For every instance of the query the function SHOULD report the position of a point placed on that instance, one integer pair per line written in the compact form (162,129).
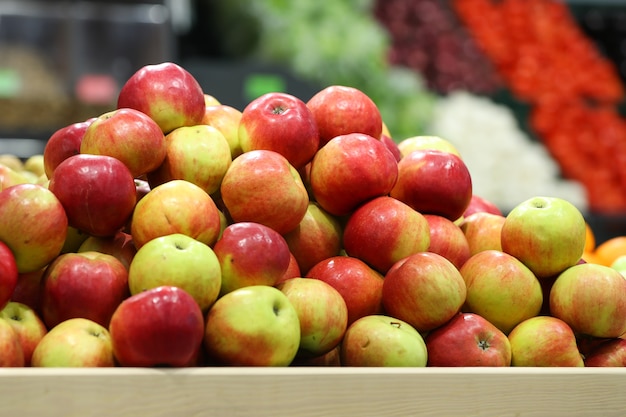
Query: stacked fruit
(177,231)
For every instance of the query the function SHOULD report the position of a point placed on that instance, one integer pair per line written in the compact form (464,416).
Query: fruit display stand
(312,391)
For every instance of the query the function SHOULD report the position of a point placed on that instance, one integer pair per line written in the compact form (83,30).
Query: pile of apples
(178,231)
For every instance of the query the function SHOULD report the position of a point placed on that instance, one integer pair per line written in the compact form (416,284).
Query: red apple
(293,270)
(447,239)
(120,245)
(359,284)
(28,325)
(225,119)
(8,274)
(97,192)
(29,290)
(349,170)
(261,186)
(282,123)
(482,231)
(609,353)
(340,110)
(425,290)
(166,92)
(162,326)
(481,204)
(12,354)
(392,146)
(128,135)
(34,225)
(434,182)
(468,340)
(62,144)
(384,230)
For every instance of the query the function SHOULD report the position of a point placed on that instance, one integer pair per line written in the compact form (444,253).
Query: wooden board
(304,392)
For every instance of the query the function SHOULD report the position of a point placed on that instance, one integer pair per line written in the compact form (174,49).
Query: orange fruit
(608,251)
(590,239)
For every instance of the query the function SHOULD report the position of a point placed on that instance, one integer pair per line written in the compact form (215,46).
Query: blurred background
(531,92)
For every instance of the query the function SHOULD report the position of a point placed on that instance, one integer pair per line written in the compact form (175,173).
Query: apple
(501,289)
(349,170)
(74,238)
(468,339)
(447,239)
(28,325)
(544,341)
(10,177)
(29,290)
(34,164)
(161,326)
(481,204)
(177,206)
(425,290)
(384,230)
(177,260)
(392,146)
(12,161)
(34,225)
(332,358)
(282,123)
(546,233)
(120,245)
(167,93)
(317,237)
(322,313)
(210,100)
(12,354)
(482,231)
(261,186)
(434,182)
(383,341)
(591,299)
(87,284)
(142,187)
(8,274)
(341,110)
(251,253)
(128,135)
(75,343)
(62,144)
(609,353)
(293,270)
(199,154)
(358,283)
(252,326)
(225,119)
(422,142)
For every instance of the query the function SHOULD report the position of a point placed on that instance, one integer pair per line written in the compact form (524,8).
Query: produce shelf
(313,391)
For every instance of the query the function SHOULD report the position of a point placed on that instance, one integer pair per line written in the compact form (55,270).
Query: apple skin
(434,182)
(10,177)
(167,93)
(62,144)
(591,299)
(161,326)
(322,313)
(199,154)
(482,231)
(34,225)
(546,233)
(225,119)
(501,289)
(251,253)
(481,204)
(447,239)
(75,343)
(425,290)
(252,326)
(120,245)
(544,341)
(392,146)
(359,284)
(28,325)
(128,135)
(177,260)
(341,174)
(261,186)
(422,142)
(341,110)
(282,123)
(384,230)
(177,206)
(609,353)
(468,339)
(8,274)
(383,341)
(88,284)
(317,237)
(97,192)
(10,346)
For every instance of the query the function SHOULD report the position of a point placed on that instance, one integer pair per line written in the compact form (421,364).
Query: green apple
(177,260)
(383,341)
(76,342)
(413,143)
(619,264)
(546,233)
(199,154)
(591,298)
(28,325)
(544,341)
(252,326)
